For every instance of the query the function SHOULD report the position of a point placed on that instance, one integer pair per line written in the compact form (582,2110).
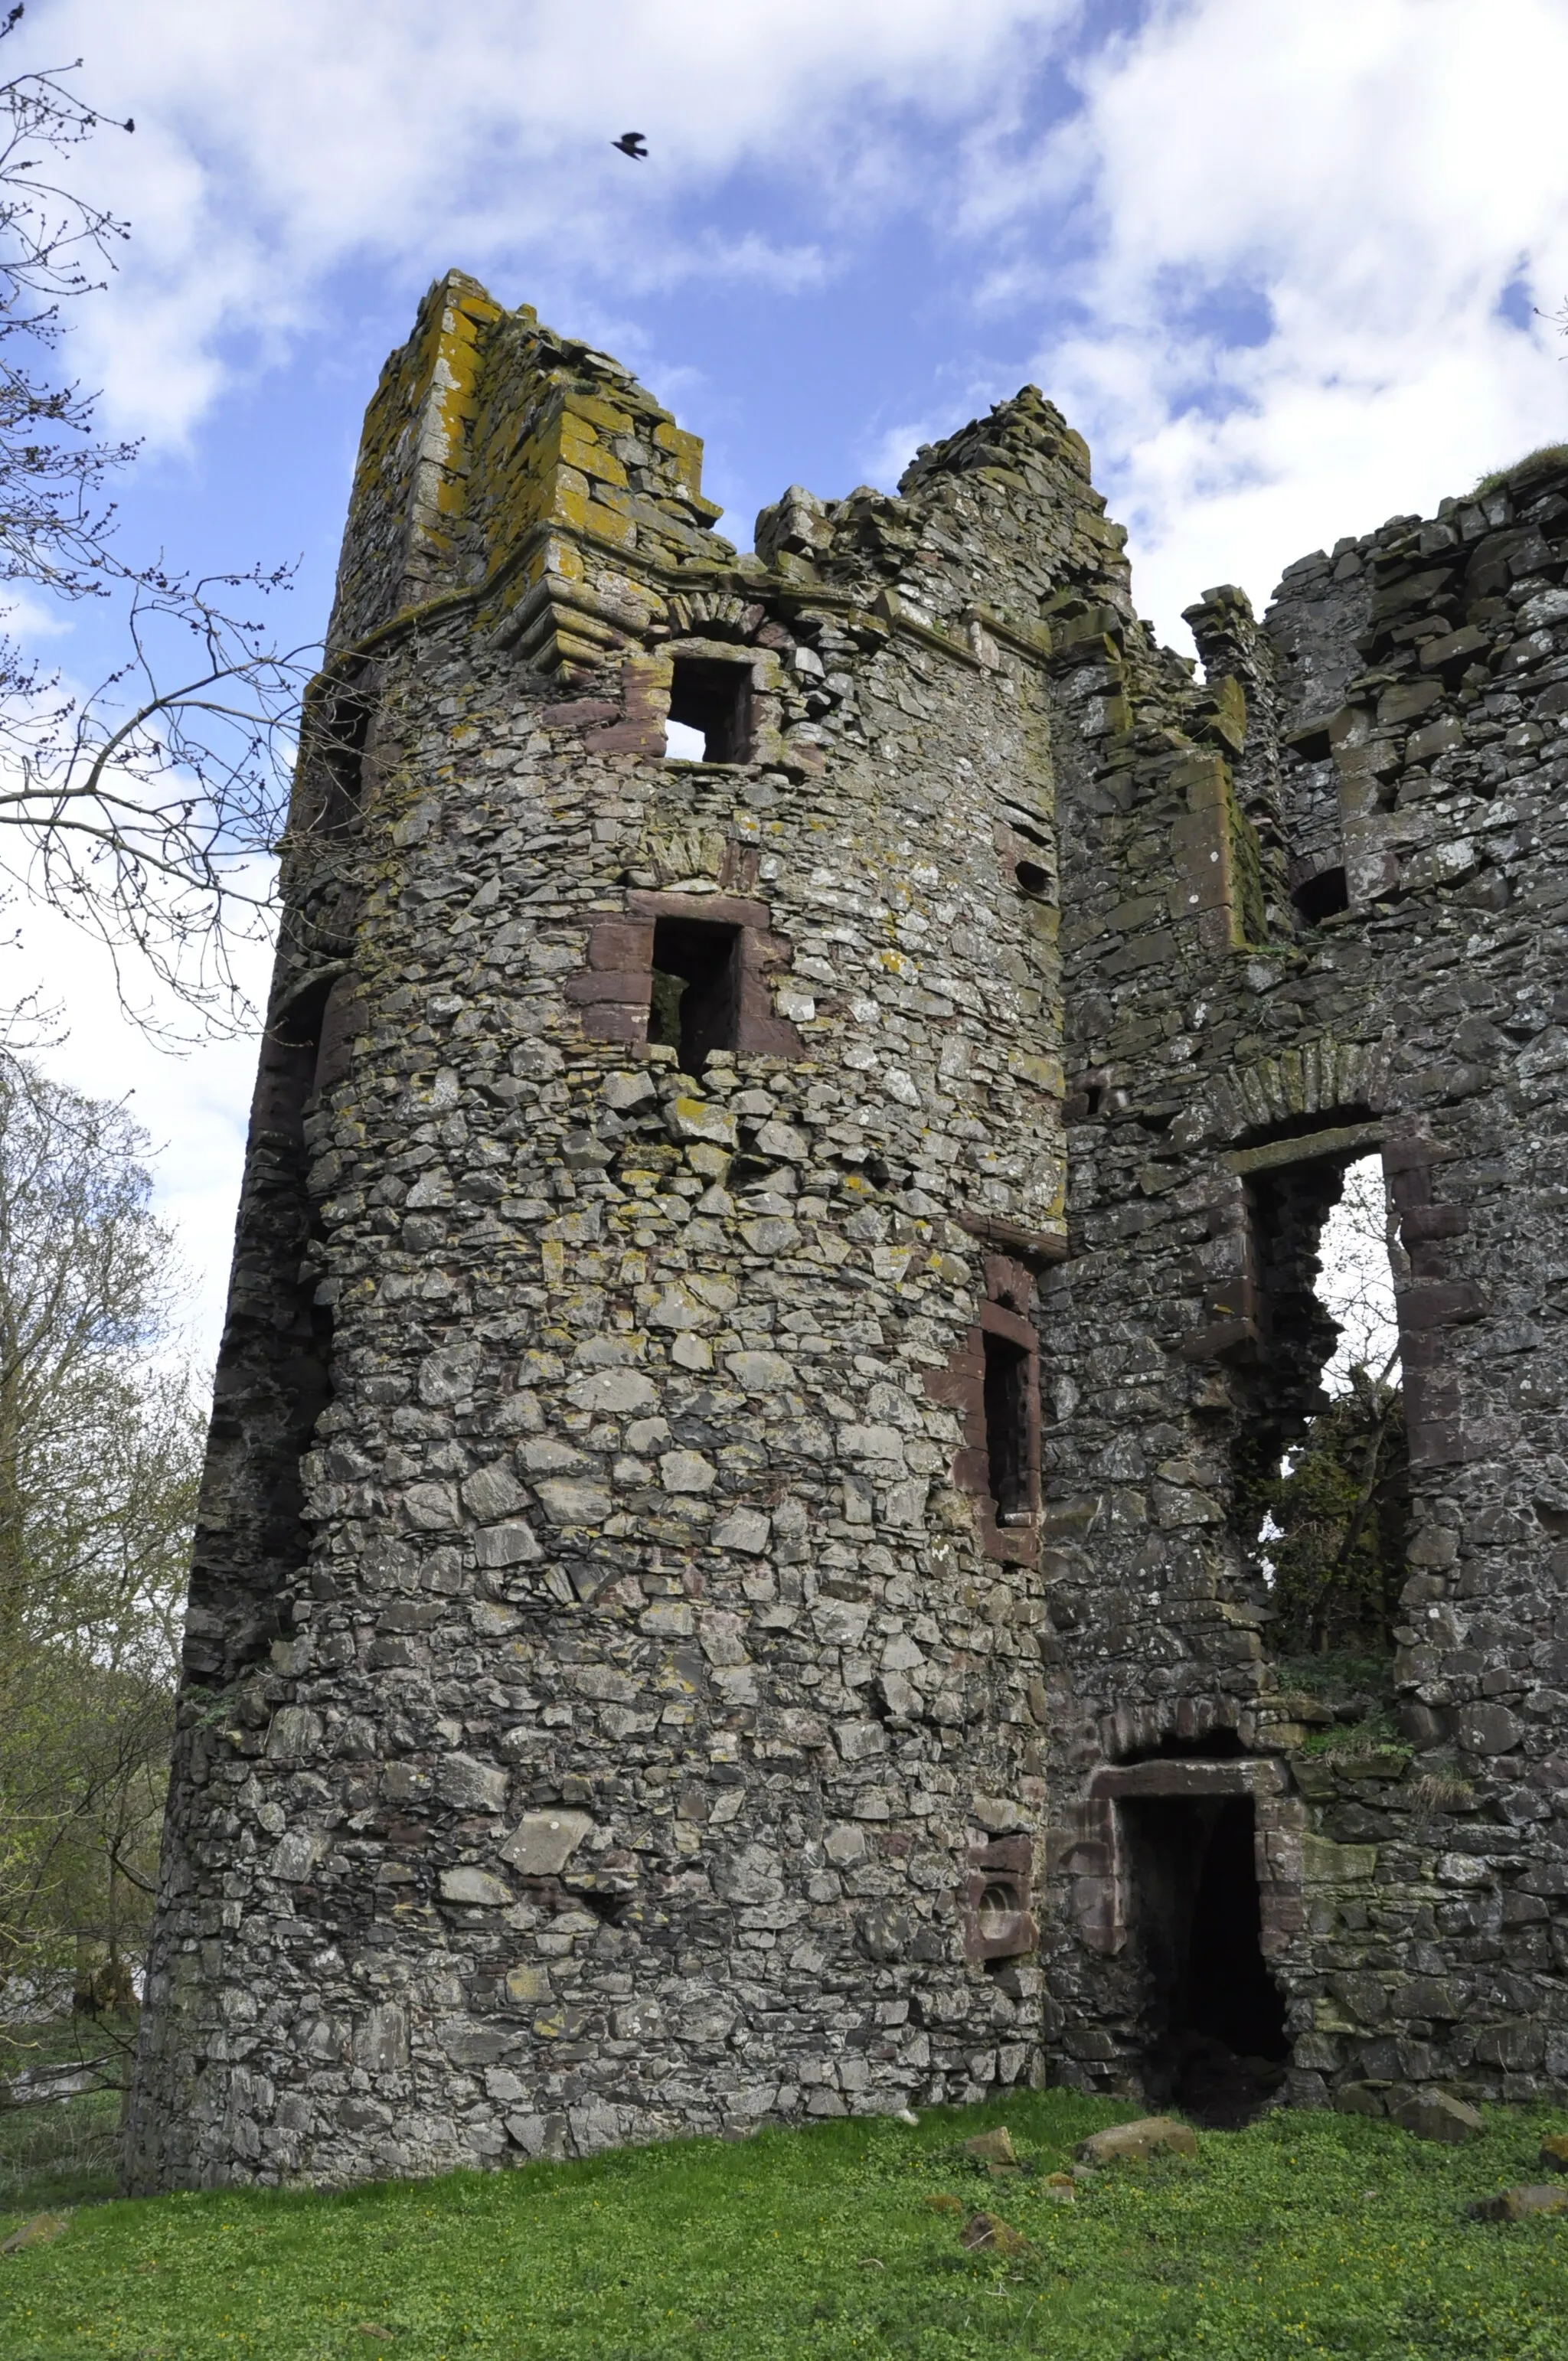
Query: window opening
(709,719)
(1214,2018)
(695,1005)
(683,743)
(1322,1460)
(1032,879)
(339,730)
(1319,897)
(1356,1277)
(1007,1423)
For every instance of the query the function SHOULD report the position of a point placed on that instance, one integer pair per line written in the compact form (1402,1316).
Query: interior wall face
(652,1722)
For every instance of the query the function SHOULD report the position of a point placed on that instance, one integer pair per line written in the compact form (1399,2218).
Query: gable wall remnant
(614,1705)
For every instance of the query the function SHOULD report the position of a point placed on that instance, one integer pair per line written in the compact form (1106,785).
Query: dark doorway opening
(1215,2017)
(714,698)
(695,1003)
(1007,1427)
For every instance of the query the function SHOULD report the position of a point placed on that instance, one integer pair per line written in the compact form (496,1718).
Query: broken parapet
(756,1275)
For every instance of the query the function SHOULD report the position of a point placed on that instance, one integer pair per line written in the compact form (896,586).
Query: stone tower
(645,1670)
(613,1688)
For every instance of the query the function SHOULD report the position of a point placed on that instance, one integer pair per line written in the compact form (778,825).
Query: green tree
(100,1450)
(1337,1527)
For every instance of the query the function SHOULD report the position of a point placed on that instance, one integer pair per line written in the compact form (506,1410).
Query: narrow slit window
(290,1047)
(710,719)
(1008,1413)
(694,1008)
(339,730)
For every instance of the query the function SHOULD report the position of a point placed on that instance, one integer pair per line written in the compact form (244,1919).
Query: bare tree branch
(145,809)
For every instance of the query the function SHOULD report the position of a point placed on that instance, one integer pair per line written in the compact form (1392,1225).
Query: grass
(1306,2234)
(1542,462)
(1360,1685)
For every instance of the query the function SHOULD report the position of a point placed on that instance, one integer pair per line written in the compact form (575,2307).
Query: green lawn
(1305,2234)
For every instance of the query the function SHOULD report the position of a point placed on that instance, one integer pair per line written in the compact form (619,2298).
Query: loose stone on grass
(1514,2204)
(1133,2143)
(987,2233)
(39,2231)
(1434,2115)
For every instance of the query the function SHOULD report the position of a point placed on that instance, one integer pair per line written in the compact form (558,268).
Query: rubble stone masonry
(699,1561)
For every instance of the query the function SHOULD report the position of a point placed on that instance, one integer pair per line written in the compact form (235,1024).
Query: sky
(1284,266)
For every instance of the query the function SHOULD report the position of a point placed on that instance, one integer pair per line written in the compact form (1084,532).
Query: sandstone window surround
(1244,1212)
(614,990)
(994,1383)
(712,695)
(1431,1300)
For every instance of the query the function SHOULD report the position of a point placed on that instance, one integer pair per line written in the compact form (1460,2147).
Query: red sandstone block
(627,738)
(579,709)
(1439,1304)
(1433,1222)
(997,1321)
(715,910)
(616,1022)
(620,943)
(627,985)
(1444,1444)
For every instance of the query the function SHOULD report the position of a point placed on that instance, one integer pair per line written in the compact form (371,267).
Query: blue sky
(1277,262)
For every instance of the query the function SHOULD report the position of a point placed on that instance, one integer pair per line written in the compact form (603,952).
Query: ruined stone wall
(629,1688)
(1411,1902)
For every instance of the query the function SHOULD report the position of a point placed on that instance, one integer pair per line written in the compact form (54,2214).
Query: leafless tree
(144,809)
(1360,1253)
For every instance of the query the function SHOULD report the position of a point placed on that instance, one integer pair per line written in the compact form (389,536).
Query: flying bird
(631,143)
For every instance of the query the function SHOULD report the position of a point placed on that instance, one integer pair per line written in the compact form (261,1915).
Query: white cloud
(1375,172)
(194,1107)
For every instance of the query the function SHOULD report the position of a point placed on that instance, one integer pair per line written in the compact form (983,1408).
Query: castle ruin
(719,1593)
